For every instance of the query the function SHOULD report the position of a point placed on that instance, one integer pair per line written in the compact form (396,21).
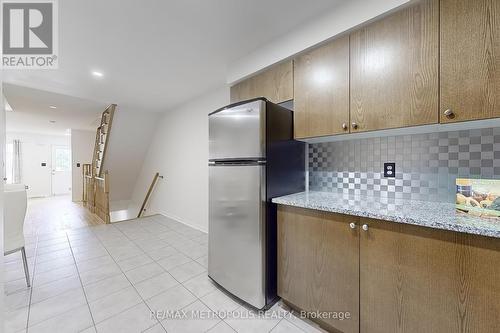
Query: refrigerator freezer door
(238,132)
(236,253)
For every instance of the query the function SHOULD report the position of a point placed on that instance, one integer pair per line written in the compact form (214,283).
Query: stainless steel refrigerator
(252,158)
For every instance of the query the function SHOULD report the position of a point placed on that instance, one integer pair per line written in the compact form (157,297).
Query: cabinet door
(394,70)
(318,258)
(416,279)
(321,90)
(275,84)
(470,59)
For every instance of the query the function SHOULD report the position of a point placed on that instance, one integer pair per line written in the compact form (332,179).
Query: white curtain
(16,163)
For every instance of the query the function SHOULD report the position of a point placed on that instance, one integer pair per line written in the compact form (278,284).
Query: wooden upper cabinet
(321,90)
(416,279)
(275,84)
(470,59)
(394,69)
(318,264)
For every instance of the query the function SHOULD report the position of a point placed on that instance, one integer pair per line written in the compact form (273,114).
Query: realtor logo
(29,34)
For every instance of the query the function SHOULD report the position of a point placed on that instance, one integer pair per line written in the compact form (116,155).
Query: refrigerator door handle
(237,163)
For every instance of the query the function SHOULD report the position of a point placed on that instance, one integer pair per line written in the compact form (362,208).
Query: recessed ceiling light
(97,74)
(52,121)
(53,107)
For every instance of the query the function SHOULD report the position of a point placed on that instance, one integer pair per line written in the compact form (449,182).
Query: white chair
(14,212)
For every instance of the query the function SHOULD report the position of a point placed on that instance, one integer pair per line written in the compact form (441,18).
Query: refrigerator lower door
(236,252)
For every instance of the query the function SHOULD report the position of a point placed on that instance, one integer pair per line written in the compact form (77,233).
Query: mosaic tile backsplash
(426,164)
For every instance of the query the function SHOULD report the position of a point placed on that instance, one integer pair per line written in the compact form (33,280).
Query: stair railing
(88,187)
(101,197)
(148,194)
(95,178)
(102,139)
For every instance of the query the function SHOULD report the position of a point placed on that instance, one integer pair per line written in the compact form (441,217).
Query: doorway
(35,170)
(61,170)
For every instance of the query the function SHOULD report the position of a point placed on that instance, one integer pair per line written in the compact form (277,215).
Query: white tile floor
(111,278)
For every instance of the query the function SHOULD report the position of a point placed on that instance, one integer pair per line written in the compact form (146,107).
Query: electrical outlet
(390,170)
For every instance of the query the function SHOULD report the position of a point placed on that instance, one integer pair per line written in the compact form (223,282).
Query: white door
(61,170)
(36,170)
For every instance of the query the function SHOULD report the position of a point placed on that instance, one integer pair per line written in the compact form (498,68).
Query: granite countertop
(436,215)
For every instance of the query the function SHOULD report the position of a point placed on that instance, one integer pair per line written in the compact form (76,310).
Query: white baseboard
(180,220)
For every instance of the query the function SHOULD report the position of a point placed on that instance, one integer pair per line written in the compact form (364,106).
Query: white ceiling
(32,112)
(156,54)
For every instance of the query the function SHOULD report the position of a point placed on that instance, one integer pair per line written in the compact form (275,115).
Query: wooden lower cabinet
(318,264)
(416,279)
(403,278)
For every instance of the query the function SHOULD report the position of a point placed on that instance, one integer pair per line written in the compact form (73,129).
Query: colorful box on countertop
(478,196)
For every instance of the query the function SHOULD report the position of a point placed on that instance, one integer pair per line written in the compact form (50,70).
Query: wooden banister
(148,194)
(95,179)
(101,197)
(102,139)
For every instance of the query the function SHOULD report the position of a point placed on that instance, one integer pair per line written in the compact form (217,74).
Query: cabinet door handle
(449,113)
(344,126)
(354,125)
(365,227)
(352,225)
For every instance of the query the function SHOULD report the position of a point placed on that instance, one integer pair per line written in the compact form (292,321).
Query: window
(62,159)
(9,156)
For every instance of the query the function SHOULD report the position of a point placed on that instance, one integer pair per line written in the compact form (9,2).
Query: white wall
(2,170)
(130,137)
(82,148)
(179,151)
(343,18)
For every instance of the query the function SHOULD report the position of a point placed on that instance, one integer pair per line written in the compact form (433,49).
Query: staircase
(101,139)
(95,178)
